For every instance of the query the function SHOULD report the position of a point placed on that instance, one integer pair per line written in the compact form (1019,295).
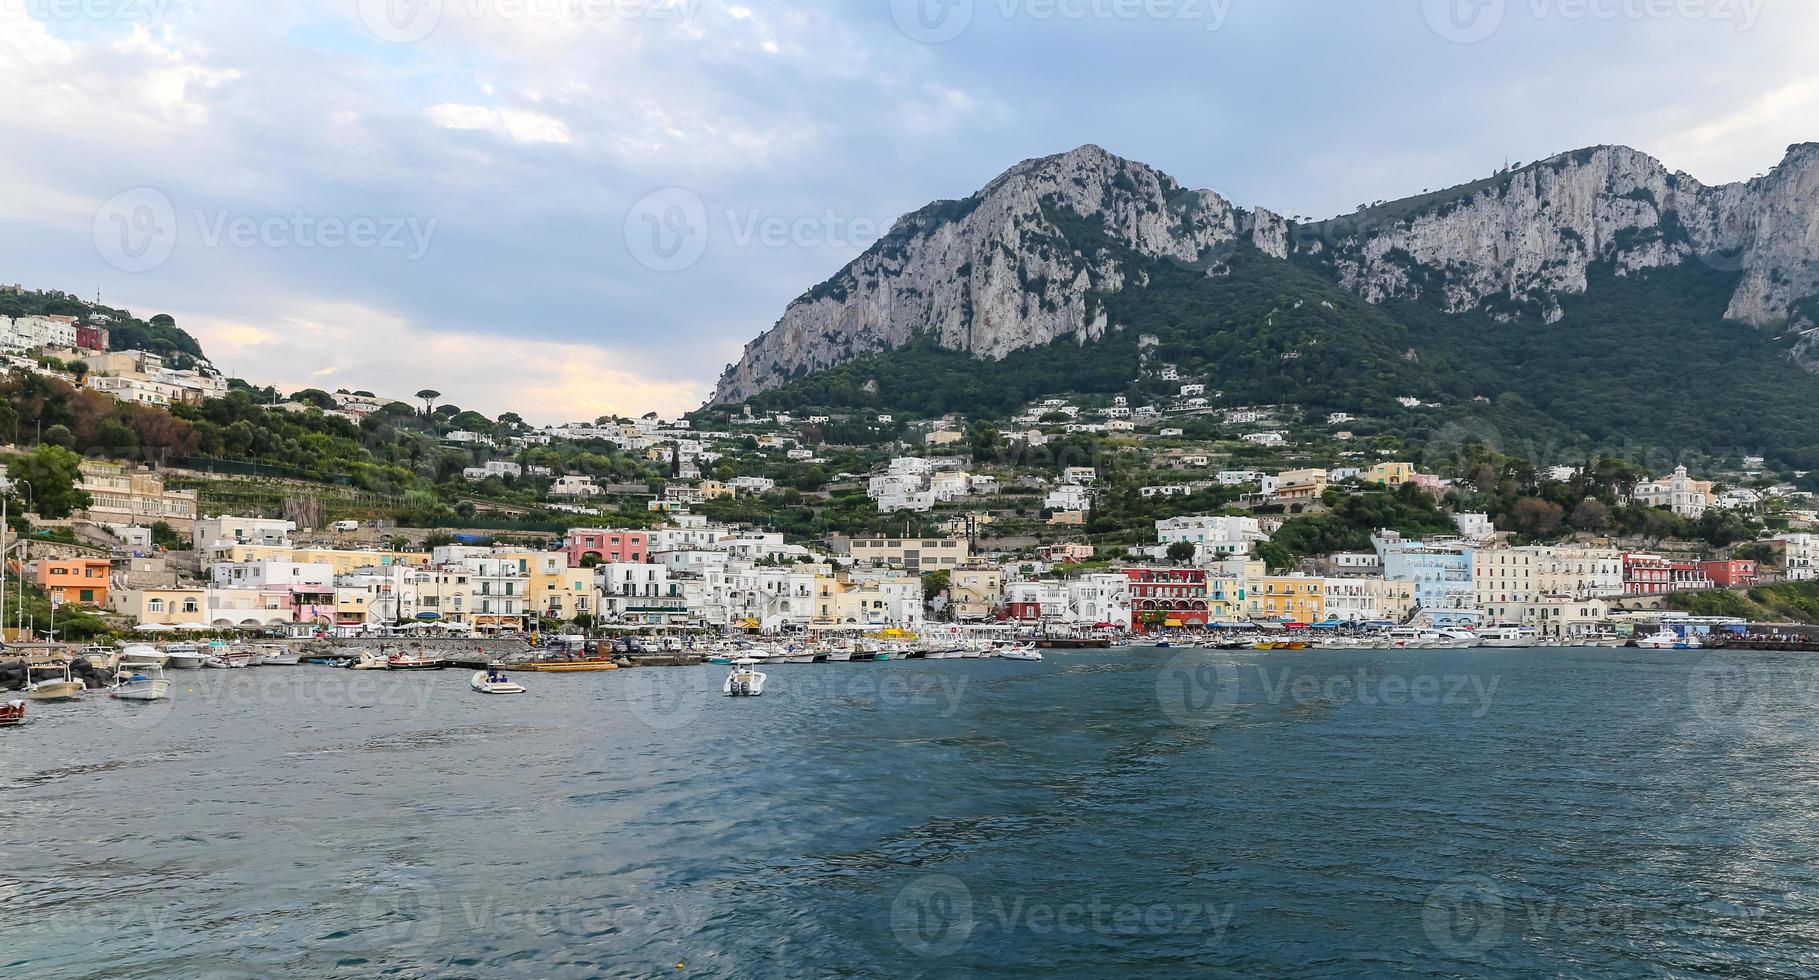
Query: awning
(1172,622)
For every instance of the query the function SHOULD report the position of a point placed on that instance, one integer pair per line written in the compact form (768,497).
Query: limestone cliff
(1022,262)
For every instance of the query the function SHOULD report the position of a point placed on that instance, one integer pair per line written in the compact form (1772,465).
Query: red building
(1688,575)
(1735,574)
(1647,575)
(91,337)
(1168,596)
(607,547)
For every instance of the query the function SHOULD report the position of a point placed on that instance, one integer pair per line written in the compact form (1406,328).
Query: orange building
(78,581)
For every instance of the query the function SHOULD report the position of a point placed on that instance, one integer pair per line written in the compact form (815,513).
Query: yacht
(1508,637)
(1667,639)
(145,655)
(744,682)
(180,656)
(140,683)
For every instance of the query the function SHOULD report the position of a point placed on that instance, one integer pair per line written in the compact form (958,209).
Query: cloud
(517,125)
(351,346)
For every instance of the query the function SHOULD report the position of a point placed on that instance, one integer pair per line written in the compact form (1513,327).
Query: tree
(1536,517)
(428,396)
(52,472)
(1591,516)
(935,583)
(1181,552)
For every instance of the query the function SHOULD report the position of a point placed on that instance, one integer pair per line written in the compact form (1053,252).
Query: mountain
(1575,301)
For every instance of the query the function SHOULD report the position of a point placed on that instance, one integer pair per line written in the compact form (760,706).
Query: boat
(144,655)
(492,681)
(1505,637)
(1667,639)
(744,682)
(12,713)
(839,656)
(278,656)
(66,688)
(567,666)
(145,683)
(795,656)
(180,656)
(404,661)
(368,660)
(1026,652)
(229,659)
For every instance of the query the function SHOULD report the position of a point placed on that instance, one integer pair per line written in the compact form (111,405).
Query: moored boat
(180,656)
(143,683)
(1506,637)
(1024,652)
(65,688)
(12,713)
(1667,639)
(144,655)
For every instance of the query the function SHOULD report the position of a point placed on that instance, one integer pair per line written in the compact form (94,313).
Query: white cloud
(517,125)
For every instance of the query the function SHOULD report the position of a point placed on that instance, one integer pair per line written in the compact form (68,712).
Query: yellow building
(1295,598)
(170,607)
(1392,474)
(555,590)
(1300,484)
(232,553)
(975,593)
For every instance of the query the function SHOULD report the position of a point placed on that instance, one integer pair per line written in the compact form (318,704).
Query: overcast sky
(573,207)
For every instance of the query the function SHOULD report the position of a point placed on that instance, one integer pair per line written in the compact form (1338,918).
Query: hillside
(1616,324)
(159,335)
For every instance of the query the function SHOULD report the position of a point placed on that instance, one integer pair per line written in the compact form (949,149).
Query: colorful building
(608,547)
(1289,598)
(75,581)
(1734,574)
(1171,597)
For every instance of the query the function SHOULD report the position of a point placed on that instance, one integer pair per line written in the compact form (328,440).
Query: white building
(1213,537)
(1069,498)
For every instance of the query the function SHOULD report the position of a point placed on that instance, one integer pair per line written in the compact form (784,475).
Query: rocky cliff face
(1019,264)
(1523,239)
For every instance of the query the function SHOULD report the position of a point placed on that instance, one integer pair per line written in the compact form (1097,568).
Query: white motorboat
(1025,652)
(66,688)
(181,656)
(231,658)
(839,656)
(144,655)
(368,660)
(799,656)
(941,655)
(1508,637)
(1410,638)
(1456,638)
(142,683)
(1667,639)
(492,681)
(274,655)
(744,682)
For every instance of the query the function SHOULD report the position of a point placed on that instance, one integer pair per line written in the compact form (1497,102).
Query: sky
(573,208)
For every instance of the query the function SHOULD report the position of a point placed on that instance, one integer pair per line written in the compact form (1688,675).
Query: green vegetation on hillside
(1786,602)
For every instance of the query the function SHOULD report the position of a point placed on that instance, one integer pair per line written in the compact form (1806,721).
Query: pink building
(607,546)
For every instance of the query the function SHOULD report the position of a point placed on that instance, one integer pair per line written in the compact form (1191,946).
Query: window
(155,605)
